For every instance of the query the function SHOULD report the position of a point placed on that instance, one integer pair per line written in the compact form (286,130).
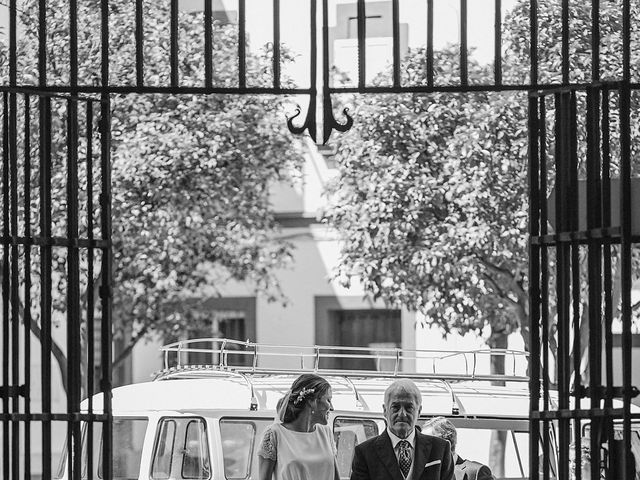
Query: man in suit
(401,452)
(465,469)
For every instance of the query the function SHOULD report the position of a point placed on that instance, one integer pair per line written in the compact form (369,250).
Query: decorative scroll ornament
(309,122)
(329,121)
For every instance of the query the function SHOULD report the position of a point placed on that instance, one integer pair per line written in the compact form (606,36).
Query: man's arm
(446,472)
(359,469)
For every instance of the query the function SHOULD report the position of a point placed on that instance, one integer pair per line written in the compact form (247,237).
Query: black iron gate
(56,227)
(56,250)
(581,271)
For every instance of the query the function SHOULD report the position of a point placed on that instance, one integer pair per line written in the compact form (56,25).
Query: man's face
(402,412)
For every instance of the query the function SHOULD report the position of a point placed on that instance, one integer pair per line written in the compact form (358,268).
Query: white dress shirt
(395,440)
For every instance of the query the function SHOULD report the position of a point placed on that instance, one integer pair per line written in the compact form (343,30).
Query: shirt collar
(395,439)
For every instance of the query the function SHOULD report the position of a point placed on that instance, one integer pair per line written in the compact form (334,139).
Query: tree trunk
(498,438)
(56,351)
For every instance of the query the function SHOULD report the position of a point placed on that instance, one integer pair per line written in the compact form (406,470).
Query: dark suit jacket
(375,459)
(470,470)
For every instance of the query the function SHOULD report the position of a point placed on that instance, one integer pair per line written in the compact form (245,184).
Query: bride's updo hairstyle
(305,388)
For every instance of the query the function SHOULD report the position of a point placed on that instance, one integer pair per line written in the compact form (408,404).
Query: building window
(342,321)
(230,318)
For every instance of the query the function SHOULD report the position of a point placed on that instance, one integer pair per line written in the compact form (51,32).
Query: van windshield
(128,439)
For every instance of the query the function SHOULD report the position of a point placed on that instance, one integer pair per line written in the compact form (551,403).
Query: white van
(206,421)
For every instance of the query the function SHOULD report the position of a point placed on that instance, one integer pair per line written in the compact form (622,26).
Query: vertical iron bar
(395,15)
(565,42)
(13,59)
(208,44)
(73,278)
(575,265)
(595,40)
(45,277)
(430,43)
(174,43)
(533,28)
(242,44)
(90,287)
(13,267)
(625,258)
(607,264)
(42,43)
(544,289)
(534,281)
(73,288)
(313,59)
(44,112)
(276,44)
(27,284)
(6,272)
(105,210)
(594,220)
(15,280)
(362,38)
(497,43)
(140,44)
(626,40)
(464,48)
(105,289)
(73,43)
(562,268)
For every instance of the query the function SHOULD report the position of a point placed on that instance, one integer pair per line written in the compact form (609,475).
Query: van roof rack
(246,358)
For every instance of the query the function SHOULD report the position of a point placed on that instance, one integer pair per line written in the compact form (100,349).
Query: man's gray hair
(443,428)
(403,385)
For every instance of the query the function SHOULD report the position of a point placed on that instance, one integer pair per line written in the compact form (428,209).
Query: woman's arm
(265,468)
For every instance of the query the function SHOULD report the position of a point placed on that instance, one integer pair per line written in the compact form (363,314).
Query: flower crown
(302,394)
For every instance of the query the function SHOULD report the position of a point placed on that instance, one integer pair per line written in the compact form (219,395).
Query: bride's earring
(313,412)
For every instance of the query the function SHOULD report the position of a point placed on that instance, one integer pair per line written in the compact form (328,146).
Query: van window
(613,457)
(476,444)
(349,432)
(163,454)
(195,462)
(128,439)
(181,449)
(241,438)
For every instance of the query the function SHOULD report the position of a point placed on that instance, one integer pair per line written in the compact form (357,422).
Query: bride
(299,445)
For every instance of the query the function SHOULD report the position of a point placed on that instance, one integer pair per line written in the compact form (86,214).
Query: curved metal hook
(344,127)
(309,122)
(329,121)
(292,128)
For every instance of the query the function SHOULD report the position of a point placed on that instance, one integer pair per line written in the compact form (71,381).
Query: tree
(416,201)
(190,173)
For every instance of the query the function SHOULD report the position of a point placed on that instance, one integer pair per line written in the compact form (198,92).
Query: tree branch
(127,350)
(56,351)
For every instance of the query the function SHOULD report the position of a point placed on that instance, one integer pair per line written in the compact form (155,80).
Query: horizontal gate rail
(172,79)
